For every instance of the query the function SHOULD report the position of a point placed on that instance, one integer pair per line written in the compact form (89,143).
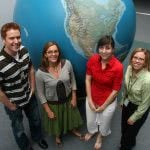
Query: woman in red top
(103,81)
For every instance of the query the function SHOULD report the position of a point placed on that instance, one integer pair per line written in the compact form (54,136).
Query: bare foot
(98,143)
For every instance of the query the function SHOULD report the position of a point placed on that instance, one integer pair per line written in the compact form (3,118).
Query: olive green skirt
(67,118)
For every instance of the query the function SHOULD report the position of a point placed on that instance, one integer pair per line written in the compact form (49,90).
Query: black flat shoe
(43,144)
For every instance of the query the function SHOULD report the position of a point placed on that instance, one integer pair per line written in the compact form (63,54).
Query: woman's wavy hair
(147,57)
(45,63)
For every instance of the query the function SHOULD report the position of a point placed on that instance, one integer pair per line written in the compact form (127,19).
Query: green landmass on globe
(85,30)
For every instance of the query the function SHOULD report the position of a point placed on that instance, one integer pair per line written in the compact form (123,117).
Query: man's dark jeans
(32,112)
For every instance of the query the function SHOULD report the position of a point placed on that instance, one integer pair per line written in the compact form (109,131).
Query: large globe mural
(76,25)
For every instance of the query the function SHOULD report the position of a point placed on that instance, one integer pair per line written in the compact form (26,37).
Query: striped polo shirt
(14,76)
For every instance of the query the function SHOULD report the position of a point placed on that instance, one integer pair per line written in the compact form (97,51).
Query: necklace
(54,69)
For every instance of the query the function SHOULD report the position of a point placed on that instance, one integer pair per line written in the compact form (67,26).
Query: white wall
(6,12)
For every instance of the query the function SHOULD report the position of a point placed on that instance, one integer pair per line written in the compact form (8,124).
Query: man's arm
(32,79)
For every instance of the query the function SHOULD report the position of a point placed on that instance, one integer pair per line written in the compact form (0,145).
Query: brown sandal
(59,142)
(88,136)
(77,134)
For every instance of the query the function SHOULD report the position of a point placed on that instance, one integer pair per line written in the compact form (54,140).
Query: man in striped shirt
(17,85)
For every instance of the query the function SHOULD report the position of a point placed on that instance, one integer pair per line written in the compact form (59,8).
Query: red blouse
(104,81)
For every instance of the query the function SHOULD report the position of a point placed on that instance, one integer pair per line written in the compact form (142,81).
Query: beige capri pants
(103,119)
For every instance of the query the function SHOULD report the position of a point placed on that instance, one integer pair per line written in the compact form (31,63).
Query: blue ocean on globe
(76,25)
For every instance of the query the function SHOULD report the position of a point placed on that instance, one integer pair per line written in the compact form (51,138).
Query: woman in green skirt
(56,89)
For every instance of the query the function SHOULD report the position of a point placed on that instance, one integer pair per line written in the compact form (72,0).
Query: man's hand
(12,106)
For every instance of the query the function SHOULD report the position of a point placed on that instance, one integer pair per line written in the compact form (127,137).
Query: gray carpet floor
(71,142)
